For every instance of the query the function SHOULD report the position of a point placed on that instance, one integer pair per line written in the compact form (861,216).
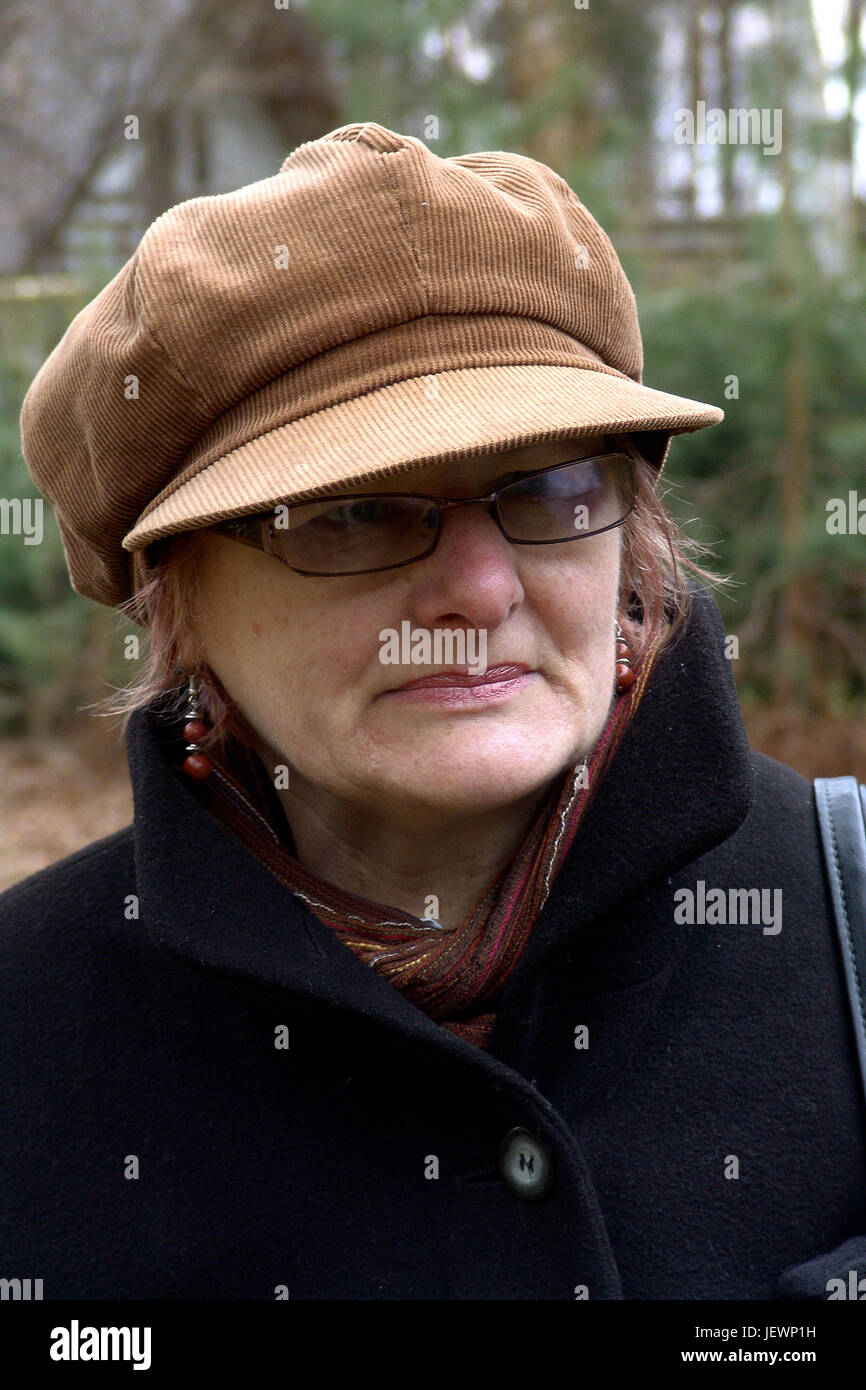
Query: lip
(464,688)
(491,676)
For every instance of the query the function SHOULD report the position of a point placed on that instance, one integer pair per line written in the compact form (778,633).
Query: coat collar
(681,782)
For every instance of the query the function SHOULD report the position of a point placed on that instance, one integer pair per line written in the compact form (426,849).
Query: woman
(404,983)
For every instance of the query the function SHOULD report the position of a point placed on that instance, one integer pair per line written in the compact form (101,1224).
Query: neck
(421,863)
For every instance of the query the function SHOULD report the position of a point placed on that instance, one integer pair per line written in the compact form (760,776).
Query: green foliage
(44,625)
(732,476)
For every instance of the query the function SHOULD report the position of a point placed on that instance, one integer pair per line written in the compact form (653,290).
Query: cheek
(576,598)
(306,657)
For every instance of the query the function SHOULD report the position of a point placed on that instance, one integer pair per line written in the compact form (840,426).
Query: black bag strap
(841,807)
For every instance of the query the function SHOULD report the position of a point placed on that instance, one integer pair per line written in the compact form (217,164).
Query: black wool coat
(216,1098)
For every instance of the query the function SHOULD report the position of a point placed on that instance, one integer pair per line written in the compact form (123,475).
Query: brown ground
(60,793)
(57,794)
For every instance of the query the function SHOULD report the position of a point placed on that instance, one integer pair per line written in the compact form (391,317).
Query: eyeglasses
(361,533)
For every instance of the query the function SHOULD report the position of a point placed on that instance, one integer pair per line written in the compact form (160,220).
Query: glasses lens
(355,534)
(570,500)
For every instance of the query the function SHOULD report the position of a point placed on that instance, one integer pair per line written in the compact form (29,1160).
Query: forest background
(747,262)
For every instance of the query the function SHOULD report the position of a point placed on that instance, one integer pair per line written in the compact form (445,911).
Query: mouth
(466,688)
(492,676)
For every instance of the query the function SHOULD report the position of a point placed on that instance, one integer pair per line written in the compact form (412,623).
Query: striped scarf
(454,976)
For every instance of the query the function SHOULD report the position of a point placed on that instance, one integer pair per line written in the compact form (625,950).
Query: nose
(471,576)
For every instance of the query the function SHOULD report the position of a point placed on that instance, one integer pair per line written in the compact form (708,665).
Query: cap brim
(407,424)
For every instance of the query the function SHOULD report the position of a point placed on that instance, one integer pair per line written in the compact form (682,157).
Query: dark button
(526,1165)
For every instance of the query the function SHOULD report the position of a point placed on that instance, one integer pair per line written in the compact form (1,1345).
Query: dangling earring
(196,764)
(624,674)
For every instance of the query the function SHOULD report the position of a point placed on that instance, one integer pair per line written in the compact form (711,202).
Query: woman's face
(302,655)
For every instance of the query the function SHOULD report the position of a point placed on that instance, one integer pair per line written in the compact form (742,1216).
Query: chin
(472,779)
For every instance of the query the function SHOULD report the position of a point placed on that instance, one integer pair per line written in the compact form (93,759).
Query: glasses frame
(257,530)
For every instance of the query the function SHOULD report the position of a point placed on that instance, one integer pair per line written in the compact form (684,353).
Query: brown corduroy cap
(369,309)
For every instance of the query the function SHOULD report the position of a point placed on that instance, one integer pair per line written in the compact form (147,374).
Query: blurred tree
(853,74)
(179,68)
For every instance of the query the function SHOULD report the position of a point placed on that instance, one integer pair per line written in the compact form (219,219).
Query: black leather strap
(841,807)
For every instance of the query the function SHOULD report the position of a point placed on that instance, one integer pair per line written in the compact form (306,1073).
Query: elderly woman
(459,947)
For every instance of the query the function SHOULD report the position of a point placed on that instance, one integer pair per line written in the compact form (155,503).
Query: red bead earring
(625,676)
(196,764)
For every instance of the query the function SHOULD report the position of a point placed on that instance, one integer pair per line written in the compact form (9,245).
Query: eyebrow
(579,453)
(502,479)
(493,484)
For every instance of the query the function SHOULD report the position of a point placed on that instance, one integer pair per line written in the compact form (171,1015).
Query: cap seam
(145,317)
(181,482)
(422,280)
